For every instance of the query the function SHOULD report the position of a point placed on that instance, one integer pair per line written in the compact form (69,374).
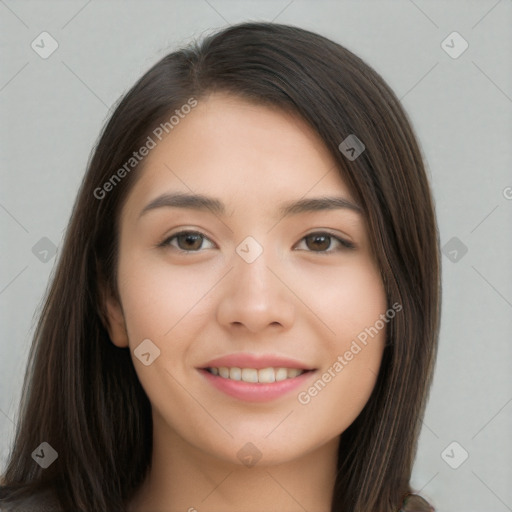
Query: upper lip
(257,361)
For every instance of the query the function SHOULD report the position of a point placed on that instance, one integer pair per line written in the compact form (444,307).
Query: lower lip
(251,392)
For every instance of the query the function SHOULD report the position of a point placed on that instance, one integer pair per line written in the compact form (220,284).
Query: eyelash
(345,244)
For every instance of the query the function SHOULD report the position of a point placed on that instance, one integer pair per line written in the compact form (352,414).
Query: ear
(113,318)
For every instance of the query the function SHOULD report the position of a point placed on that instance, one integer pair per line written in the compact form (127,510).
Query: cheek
(345,383)
(165,305)
(347,299)
(351,306)
(361,331)
(157,297)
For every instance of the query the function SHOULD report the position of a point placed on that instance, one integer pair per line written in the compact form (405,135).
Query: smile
(252,375)
(259,387)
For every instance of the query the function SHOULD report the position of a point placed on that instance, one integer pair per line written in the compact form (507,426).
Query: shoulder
(415,503)
(41,502)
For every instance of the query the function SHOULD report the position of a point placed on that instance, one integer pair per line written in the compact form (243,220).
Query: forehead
(230,148)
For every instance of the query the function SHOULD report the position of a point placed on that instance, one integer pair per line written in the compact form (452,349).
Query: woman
(246,309)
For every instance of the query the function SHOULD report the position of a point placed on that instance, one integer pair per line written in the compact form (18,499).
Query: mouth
(256,376)
(256,385)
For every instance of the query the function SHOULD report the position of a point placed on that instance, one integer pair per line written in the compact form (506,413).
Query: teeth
(235,374)
(266,375)
(263,376)
(281,374)
(249,375)
(293,372)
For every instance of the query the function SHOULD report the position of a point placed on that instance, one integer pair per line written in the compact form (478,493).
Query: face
(294,297)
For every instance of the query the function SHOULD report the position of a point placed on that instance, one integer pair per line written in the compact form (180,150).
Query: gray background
(461,108)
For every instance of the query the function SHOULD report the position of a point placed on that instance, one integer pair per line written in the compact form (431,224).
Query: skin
(298,299)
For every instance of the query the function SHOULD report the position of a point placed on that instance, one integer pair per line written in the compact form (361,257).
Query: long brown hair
(81,393)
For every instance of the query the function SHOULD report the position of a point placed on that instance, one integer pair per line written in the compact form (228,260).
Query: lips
(256,361)
(248,377)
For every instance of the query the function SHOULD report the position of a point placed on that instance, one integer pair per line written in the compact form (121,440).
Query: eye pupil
(325,241)
(191,240)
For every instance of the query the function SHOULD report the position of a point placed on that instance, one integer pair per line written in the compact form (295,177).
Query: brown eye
(318,242)
(186,241)
(323,243)
(189,241)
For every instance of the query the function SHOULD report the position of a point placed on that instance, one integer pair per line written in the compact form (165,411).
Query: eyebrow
(203,203)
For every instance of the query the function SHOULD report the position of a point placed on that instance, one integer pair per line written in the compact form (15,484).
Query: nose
(255,296)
